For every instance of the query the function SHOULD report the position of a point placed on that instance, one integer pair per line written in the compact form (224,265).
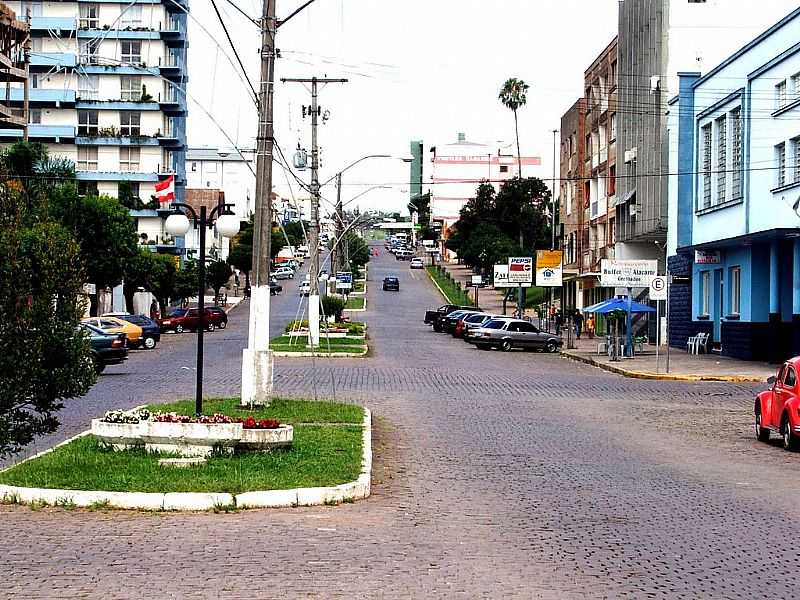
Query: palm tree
(513,95)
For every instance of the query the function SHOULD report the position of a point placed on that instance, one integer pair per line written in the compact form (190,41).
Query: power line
(240,11)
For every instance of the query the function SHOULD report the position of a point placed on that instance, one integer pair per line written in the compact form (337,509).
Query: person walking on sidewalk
(578,320)
(590,325)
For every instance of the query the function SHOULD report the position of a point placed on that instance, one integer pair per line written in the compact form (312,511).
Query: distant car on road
(305,288)
(391,284)
(416,263)
(283,273)
(106,348)
(776,409)
(506,334)
(151,332)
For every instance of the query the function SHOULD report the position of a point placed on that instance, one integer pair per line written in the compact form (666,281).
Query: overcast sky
(417,69)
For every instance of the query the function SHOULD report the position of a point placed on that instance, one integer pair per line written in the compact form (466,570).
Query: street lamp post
(178,225)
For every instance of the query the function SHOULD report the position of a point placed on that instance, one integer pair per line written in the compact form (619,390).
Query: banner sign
(520,269)
(627,273)
(707,258)
(501,278)
(344,280)
(658,288)
(548,268)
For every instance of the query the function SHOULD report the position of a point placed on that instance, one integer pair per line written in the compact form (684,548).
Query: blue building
(107,90)
(734,200)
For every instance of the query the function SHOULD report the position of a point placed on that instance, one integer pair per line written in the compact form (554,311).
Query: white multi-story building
(107,88)
(228,171)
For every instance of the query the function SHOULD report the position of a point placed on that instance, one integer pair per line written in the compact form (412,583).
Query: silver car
(474,322)
(506,334)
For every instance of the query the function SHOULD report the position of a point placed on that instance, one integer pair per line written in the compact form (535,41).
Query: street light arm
(177,205)
(219,210)
(353,164)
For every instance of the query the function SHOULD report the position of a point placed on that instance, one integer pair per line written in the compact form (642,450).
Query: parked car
(283,273)
(305,288)
(448,323)
(151,332)
(416,263)
(218,316)
(106,348)
(434,317)
(274,287)
(185,319)
(506,334)
(117,325)
(391,284)
(470,321)
(776,409)
(403,254)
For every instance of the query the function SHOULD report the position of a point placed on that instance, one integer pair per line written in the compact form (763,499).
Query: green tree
(332,306)
(138,274)
(357,250)
(187,280)
(241,251)
(163,279)
(218,273)
(514,95)
(44,358)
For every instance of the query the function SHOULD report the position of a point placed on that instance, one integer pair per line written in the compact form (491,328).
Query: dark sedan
(151,331)
(107,348)
(391,284)
(448,323)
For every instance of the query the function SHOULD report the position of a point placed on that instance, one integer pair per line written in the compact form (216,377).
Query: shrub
(332,306)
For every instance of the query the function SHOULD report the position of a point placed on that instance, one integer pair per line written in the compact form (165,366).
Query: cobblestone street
(496,475)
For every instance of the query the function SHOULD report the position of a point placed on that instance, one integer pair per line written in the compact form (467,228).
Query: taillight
(116,343)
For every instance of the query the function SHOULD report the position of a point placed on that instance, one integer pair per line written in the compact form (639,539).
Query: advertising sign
(702,257)
(520,269)
(344,280)
(477,280)
(658,288)
(548,268)
(627,273)
(501,278)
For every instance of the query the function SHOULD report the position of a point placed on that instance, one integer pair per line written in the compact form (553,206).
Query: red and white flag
(165,190)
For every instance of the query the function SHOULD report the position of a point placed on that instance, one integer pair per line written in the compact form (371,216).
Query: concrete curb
(661,376)
(193,501)
(320,354)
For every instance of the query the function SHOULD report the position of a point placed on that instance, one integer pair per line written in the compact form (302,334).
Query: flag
(165,190)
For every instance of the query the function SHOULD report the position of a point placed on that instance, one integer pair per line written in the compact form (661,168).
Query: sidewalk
(683,366)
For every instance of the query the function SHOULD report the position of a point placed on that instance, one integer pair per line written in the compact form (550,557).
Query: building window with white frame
(736,290)
(130,87)
(796,160)
(87,122)
(130,123)
(132,16)
(722,159)
(780,161)
(131,52)
(129,158)
(795,87)
(88,86)
(707,166)
(780,95)
(736,153)
(35,115)
(87,158)
(89,15)
(613,134)
(705,293)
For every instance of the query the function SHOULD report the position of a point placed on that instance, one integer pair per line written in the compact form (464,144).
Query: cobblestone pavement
(496,475)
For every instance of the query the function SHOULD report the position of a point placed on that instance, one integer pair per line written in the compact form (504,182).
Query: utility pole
(337,248)
(313,298)
(257,360)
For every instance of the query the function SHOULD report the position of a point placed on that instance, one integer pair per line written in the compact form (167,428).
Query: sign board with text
(703,257)
(477,280)
(658,288)
(344,280)
(548,268)
(627,273)
(500,280)
(520,269)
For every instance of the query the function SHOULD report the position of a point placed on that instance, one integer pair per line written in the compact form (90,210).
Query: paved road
(496,475)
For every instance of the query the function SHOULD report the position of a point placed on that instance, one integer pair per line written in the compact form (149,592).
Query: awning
(618,304)
(627,197)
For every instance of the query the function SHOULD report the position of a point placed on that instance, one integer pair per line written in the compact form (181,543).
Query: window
(35,116)
(132,187)
(736,289)
(707,166)
(795,91)
(722,159)
(87,158)
(87,122)
(613,75)
(129,159)
(131,52)
(736,153)
(88,50)
(87,188)
(89,16)
(780,161)
(588,146)
(780,95)
(705,293)
(613,134)
(790,380)
(611,187)
(504,168)
(36,44)
(796,159)
(88,86)
(35,6)
(34,81)
(130,123)
(132,17)
(194,166)
(131,87)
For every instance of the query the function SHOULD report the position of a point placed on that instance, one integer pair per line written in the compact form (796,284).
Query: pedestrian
(590,325)
(154,309)
(559,322)
(578,320)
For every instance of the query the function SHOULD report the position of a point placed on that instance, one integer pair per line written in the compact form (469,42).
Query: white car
(283,273)
(416,263)
(305,288)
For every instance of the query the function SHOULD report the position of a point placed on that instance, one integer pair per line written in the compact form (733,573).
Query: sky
(417,70)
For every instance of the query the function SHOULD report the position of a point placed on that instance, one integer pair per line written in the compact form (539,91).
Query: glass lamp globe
(228,225)
(177,225)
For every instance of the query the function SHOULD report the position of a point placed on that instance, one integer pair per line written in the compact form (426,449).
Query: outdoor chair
(694,343)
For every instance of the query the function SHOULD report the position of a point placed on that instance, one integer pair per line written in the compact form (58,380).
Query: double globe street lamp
(178,225)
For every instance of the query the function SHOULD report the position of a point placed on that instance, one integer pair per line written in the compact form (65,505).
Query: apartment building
(107,90)
(227,170)
(572,206)
(14,36)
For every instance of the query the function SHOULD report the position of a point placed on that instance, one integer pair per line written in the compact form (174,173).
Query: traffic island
(337,340)
(356,304)
(328,462)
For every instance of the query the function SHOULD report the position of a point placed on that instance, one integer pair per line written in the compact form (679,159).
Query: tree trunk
(519,154)
(128,293)
(93,304)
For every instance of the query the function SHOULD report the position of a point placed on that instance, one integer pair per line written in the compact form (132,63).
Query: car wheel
(437,328)
(789,439)
(551,347)
(762,433)
(149,343)
(179,329)
(505,346)
(223,324)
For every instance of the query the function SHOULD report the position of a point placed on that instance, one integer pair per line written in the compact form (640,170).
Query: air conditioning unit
(632,209)
(630,155)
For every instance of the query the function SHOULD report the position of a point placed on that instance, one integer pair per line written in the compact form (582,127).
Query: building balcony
(135,176)
(40,95)
(170,64)
(116,140)
(44,25)
(97,104)
(141,33)
(54,133)
(53,59)
(174,29)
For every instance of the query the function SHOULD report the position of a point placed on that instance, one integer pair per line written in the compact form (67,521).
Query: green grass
(354,302)
(353,327)
(358,286)
(452,290)
(285,343)
(320,456)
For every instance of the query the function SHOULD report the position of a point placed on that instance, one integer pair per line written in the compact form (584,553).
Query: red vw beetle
(778,408)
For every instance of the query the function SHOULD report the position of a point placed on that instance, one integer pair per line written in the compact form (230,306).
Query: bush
(332,306)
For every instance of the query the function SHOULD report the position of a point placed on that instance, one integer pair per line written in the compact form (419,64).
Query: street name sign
(520,269)
(548,268)
(627,273)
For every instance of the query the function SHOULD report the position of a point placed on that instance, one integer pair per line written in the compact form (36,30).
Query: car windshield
(391,280)
(475,318)
(177,313)
(93,330)
(494,324)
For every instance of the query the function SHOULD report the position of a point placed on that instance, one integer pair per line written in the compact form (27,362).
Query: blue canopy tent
(608,306)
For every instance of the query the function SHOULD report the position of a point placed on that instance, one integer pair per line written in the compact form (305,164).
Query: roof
(219,154)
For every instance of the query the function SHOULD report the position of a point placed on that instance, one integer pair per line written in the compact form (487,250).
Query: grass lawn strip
(452,293)
(287,343)
(320,456)
(354,303)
